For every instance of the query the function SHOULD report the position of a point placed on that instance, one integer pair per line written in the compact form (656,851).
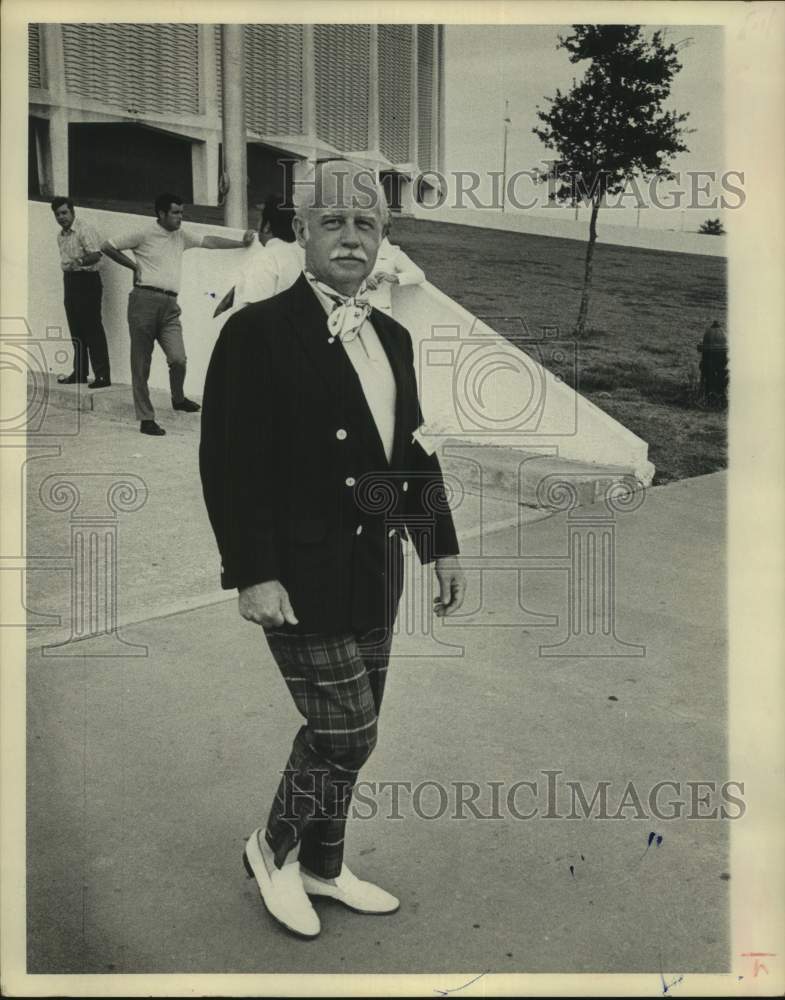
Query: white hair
(316,188)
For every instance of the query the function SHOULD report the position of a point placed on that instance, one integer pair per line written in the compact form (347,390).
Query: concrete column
(234,138)
(413,105)
(55,144)
(433,161)
(54,62)
(373,89)
(40,126)
(407,197)
(208,76)
(439,90)
(56,153)
(204,169)
(309,82)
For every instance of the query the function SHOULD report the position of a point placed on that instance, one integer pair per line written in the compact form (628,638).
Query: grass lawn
(648,311)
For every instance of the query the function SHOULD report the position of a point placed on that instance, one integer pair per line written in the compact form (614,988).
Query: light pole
(505,127)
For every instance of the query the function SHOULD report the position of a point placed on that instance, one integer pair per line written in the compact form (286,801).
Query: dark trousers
(82,292)
(337,683)
(154,316)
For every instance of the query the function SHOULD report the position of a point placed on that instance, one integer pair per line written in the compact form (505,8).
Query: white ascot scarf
(349,312)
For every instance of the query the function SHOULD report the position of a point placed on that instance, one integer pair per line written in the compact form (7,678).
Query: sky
(484,65)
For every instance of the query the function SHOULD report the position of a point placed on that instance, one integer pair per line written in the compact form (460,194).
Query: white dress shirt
(75,243)
(370,361)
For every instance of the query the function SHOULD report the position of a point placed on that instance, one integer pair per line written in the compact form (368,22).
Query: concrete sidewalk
(146,772)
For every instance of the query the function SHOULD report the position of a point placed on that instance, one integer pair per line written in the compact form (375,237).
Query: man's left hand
(248,237)
(452,586)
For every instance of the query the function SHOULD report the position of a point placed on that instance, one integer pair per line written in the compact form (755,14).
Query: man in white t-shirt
(153,312)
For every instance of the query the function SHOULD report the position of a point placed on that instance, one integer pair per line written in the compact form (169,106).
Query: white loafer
(281,889)
(363,897)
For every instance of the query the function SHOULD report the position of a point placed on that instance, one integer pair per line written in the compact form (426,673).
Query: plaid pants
(337,683)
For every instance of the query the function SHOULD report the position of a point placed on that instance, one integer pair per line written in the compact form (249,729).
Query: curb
(115,401)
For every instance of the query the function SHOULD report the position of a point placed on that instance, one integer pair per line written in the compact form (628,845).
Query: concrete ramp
(489,399)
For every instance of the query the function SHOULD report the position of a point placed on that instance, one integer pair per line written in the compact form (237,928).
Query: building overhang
(374,159)
(407,170)
(304,147)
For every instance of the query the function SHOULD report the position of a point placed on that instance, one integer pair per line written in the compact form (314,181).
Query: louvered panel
(273,78)
(136,67)
(395,90)
(34,55)
(425,123)
(218,66)
(342,71)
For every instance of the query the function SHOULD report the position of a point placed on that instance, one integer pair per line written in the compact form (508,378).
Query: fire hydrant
(713,350)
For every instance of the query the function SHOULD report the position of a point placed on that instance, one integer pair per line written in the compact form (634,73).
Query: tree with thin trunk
(610,128)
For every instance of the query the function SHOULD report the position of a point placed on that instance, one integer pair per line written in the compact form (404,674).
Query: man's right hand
(137,275)
(267,604)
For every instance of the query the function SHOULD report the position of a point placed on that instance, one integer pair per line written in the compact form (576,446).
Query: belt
(152,288)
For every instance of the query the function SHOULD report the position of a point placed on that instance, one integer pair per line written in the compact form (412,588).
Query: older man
(153,312)
(311,477)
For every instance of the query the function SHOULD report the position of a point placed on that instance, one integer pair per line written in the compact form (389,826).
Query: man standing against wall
(153,312)
(80,255)
(312,477)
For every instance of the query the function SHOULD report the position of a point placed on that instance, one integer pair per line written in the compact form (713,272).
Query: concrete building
(118,111)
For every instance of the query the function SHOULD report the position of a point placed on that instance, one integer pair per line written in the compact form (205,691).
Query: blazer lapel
(309,322)
(334,372)
(392,348)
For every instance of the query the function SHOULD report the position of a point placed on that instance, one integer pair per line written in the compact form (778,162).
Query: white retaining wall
(478,387)
(206,274)
(474,384)
(570,229)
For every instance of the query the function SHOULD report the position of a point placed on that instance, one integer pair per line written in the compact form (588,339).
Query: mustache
(337,255)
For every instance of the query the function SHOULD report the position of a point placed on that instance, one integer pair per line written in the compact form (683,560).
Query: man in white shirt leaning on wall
(392,267)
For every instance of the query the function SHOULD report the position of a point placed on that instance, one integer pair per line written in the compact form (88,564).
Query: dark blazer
(294,473)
